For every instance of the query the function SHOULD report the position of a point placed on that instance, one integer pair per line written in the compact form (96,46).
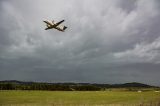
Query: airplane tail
(64,27)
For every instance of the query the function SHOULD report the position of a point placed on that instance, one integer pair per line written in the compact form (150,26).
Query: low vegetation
(16,93)
(78,98)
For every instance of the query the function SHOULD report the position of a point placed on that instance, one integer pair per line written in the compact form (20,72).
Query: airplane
(51,25)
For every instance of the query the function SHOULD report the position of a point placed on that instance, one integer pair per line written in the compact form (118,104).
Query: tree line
(20,85)
(49,87)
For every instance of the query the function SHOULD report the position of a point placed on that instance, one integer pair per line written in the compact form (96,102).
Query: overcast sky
(107,41)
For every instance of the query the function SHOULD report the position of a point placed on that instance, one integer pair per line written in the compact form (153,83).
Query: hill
(22,85)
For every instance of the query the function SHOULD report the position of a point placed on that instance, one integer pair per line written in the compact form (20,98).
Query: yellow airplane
(51,25)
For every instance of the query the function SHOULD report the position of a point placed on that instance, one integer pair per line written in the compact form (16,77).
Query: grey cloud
(93,48)
(128,6)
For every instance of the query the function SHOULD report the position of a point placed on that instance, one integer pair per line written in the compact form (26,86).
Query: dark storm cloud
(107,41)
(128,6)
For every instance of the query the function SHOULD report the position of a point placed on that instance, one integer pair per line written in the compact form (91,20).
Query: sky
(107,41)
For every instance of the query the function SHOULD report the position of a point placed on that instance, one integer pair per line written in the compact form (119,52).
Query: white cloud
(141,53)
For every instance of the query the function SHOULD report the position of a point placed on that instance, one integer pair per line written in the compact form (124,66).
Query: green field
(78,98)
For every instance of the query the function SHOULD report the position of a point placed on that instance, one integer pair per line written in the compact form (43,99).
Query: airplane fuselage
(56,27)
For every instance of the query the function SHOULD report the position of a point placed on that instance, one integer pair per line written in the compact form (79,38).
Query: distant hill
(22,85)
(133,84)
(16,82)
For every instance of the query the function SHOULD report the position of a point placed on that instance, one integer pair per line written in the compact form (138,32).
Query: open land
(79,98)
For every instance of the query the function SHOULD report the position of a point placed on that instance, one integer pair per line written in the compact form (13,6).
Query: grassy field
(77,98)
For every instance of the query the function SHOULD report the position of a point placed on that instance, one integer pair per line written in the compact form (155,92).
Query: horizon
(106,41)
(77,82)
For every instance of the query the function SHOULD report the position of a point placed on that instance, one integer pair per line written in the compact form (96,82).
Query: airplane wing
(47,23)
(59,23)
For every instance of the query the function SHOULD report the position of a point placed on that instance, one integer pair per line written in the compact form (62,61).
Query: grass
(77,98)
